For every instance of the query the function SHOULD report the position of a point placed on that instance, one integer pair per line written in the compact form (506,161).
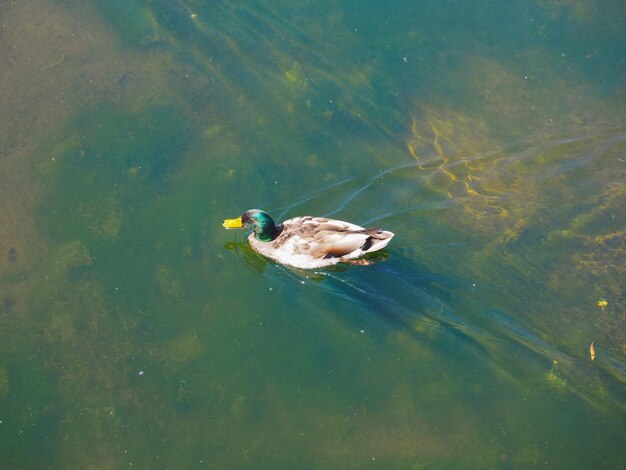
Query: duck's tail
(377,240)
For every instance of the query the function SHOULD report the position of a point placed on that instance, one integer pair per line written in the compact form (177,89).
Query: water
(135,331)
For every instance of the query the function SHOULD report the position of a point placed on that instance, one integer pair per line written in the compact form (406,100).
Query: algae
(4,382)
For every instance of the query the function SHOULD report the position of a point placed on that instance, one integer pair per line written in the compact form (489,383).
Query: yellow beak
(233,223)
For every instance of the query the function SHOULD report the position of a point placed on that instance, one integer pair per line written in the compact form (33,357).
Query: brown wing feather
(324,238)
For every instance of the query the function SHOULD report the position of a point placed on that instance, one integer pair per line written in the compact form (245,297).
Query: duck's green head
(256,220)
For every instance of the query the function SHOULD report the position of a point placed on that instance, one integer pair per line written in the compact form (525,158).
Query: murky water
(135,331)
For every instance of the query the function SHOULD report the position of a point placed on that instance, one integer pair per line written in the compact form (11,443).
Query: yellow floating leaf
(592,351)
(602,303)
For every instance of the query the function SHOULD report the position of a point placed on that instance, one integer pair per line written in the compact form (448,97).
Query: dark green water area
(489,136)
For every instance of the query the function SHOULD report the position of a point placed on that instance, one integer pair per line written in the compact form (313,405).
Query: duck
(309,242)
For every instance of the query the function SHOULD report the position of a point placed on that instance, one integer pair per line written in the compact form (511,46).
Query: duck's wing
(323,238)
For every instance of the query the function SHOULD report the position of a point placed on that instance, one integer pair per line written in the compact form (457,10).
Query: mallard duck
(309,242)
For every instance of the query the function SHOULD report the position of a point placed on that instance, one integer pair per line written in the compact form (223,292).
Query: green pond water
(489,136)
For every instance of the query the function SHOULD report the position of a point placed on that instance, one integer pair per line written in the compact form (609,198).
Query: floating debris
(57,62)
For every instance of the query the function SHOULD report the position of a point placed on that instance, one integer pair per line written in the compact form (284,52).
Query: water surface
(135,331)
